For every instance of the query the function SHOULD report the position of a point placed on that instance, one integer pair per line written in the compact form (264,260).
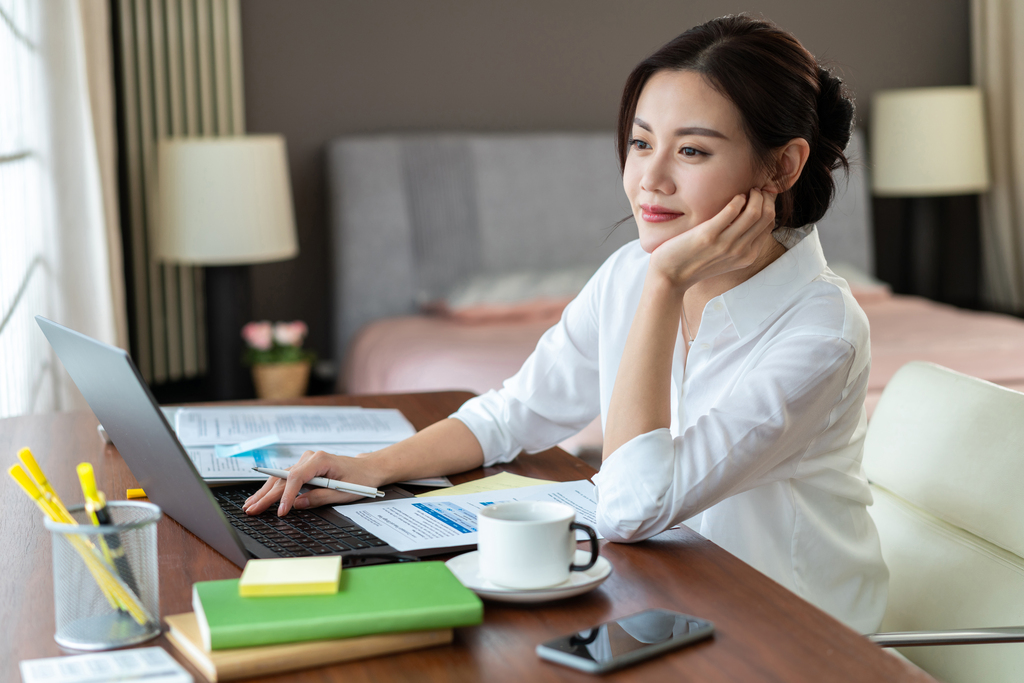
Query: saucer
(466,568)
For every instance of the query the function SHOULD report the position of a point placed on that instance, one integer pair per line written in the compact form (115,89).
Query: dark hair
(781,92)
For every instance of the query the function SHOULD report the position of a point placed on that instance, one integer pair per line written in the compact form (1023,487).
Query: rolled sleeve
(754,435)
(553,396)
(625,501)
(487,417)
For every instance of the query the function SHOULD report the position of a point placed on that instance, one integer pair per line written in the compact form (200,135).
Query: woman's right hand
(357,470)
(730,240)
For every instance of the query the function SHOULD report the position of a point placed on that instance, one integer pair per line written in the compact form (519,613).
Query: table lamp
(225,203)
(929,145)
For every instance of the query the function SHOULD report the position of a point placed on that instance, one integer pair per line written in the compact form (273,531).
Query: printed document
(279,456)
(450,521)
(149,664)
(292,424)
(495,482)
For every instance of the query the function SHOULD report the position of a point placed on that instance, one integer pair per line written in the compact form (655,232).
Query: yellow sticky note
(291,576)
(135,493)
(497,482)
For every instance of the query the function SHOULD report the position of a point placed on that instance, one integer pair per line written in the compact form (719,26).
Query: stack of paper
(277,436)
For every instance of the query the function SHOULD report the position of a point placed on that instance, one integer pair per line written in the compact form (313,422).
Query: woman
(728,363)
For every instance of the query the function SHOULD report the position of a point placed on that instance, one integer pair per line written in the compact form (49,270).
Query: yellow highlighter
(96,506)
(114,588)
(29,486)
(29,461)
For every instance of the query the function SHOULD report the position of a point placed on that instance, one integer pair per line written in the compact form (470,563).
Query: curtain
(180,75)
(59,254)
(998,66)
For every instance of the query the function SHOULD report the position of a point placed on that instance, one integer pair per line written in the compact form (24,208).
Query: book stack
(375,610)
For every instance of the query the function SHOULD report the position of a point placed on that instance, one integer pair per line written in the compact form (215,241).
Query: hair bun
(835,112)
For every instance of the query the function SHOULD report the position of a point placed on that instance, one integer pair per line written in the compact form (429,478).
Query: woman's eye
(690,152)
(638,144)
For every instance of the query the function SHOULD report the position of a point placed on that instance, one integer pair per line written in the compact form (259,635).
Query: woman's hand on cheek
(731,240)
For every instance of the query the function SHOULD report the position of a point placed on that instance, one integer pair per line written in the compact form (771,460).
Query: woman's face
(688,156)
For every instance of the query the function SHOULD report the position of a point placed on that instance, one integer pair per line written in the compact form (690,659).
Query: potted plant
(280,366)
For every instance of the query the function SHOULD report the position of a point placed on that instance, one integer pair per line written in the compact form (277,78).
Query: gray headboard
(412,215)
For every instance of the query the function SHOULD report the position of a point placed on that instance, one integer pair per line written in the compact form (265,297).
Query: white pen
(326,483)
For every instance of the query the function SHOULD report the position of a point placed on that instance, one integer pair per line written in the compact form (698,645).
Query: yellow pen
(96,506)
(29,461)
(92,503)
(119,595)
(29,486)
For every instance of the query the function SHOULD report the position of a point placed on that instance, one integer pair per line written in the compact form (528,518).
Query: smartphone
(625,641)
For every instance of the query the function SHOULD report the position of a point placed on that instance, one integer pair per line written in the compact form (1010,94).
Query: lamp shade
(224,201)
(929,141)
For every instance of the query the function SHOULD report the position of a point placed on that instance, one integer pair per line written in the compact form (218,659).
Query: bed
(454,252)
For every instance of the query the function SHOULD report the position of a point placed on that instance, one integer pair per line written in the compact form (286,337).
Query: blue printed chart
(458,518)
(449,522)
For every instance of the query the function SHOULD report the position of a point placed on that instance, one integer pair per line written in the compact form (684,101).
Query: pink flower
(258,335)
(290,334)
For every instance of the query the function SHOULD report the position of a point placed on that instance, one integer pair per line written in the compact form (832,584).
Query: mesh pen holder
(106,589)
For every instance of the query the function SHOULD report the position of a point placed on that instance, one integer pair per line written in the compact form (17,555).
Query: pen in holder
(103,601)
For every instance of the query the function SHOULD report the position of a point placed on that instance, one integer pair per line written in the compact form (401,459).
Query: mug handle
(595,551)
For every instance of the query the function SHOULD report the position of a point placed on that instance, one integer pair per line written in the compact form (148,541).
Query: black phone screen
(630,638)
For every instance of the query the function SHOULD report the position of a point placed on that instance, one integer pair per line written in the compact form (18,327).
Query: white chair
(944,453)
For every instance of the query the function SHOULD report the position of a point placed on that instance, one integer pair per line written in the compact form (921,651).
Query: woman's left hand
(731,240)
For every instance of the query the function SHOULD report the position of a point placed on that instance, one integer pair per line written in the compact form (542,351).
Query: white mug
(530,544)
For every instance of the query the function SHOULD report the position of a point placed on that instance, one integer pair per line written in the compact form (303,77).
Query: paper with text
(450,521)
(280,456)
(292,424)
(150,664)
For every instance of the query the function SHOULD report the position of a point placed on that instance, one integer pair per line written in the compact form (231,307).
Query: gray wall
(316,69)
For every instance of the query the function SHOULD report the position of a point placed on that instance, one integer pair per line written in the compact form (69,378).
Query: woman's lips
(652,213)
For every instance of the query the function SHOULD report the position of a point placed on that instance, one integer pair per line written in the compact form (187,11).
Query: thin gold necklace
(686,326)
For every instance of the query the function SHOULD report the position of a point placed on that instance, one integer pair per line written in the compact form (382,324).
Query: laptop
(124,405)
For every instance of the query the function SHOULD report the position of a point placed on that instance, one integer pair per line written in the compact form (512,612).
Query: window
(26,373)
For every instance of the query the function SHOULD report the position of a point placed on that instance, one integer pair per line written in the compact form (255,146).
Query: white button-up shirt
(767,430)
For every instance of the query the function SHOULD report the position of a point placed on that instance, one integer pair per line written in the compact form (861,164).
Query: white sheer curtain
(998,41)
(59,243)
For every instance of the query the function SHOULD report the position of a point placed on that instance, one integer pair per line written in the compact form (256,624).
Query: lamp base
(930,246)
(228,308)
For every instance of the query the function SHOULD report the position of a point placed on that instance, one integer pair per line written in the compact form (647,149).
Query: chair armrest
(971,636)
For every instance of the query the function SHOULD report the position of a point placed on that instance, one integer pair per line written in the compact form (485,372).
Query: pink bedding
(424,353)
(906,328)
(429,353)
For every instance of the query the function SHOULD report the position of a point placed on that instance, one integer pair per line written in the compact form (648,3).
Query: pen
(36,472)
(96,506)
(344,486)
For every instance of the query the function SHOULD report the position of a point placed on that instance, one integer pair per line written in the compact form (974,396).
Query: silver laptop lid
(117,394)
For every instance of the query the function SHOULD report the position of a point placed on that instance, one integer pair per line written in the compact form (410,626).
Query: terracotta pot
(281,380)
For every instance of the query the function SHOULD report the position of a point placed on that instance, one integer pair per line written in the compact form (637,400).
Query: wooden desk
(764,632)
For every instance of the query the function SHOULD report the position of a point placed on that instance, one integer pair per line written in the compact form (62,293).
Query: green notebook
(385,598)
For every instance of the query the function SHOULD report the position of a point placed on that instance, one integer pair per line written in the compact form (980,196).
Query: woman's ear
(789,164)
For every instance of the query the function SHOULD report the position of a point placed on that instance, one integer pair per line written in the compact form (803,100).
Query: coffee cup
(530,544)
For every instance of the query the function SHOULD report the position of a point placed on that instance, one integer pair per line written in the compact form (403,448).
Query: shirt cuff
(632,485)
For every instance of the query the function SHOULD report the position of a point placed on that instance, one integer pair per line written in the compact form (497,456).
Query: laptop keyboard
(301,533)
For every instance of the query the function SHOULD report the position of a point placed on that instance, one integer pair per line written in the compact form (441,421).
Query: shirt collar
(750,303)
